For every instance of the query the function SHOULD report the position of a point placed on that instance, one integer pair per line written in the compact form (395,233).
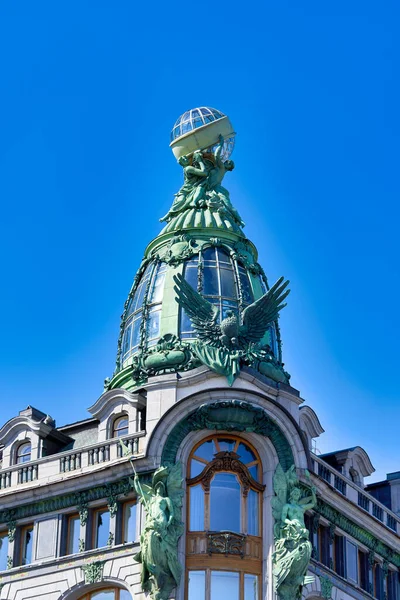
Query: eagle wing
(202,313)
(265,310)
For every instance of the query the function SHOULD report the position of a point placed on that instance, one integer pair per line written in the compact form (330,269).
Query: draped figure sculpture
(162,501)
(292,546)
(202,178)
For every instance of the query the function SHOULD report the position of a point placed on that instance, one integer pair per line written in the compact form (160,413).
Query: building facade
(198,457)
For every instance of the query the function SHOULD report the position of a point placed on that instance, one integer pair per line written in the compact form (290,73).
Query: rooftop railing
(354,493)
(58,466)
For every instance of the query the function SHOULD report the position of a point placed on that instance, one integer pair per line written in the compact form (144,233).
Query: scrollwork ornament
(93,572)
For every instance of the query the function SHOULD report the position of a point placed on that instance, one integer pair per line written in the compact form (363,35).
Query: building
(209,420)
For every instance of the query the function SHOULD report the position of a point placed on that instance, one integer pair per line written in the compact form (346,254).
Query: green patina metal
(229,415)
(326,587)
(293,549)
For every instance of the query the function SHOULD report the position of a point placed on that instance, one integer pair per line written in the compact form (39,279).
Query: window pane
(206,450)
(102,525)
(124,595)
(197,585)
(351,561)
(158,284)
(252,513)
(129,523)
(136,331)
(246,455)
(27,542)
(208,254)
(153,324)
(196,467)
(250,587)
(73,535)
(223,256)
(191,276)
(210,281)
(226,445)
(224,585)
(3,552)
(103,595)
(254,472)
(228,286)
(225,497)
(196,508)
(247,293)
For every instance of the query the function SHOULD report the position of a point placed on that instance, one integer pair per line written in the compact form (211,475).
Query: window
(324,545)
(73,534)
(101,527)
(23,453)
(129,522)
(107,594)
(392,585)
(3,550)
(120,426)
(363,570)
(352,562)
(224,537)
(224,499)
(339,553)
(26,544)
(213,585)
(221,280)
(378,582)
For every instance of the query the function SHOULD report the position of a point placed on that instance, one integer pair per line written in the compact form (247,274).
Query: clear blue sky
(89,92)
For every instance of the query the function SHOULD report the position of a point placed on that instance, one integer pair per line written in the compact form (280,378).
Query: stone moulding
(229,415)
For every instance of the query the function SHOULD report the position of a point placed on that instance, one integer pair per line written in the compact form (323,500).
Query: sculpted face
(183,161)
(229,165)
(295,495)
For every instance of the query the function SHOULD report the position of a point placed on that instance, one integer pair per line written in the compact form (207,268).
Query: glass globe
(199,117)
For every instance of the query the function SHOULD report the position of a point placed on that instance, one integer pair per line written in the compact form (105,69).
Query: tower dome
(200,296)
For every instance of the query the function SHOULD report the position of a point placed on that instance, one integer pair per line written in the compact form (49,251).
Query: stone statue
(292,546)
(158,554)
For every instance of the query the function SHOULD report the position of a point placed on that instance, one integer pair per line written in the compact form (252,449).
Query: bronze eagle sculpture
(232,332)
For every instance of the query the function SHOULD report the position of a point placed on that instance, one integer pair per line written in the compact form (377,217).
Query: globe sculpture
(199,129)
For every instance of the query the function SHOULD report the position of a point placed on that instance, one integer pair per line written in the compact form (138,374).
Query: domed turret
(200,297)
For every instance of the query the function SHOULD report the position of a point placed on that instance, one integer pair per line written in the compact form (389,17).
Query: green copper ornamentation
(224,347)
(162,501)
(326,587)
(292,546)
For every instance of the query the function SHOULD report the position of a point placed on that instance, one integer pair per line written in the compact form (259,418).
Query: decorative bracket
(93,572)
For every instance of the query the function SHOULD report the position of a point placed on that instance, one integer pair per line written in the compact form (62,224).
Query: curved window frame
(23,457)
(94,594)
(115,429)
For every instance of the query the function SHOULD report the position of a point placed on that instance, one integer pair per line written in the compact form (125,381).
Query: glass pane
(102,529)
(197,585)
(103,595)
(246,455)
(210,281)
(127,340)
(129,523)
(196,467)
(224,585)
(252,513)
(27,546)
(153,324)
(186,324)
(226,445)
(247,293)
(124,595)
(196,508)
(3,552)
(351,561)
(250,587)
(158,286)
(191,277)
(228,286)
(225,497)
(254,472)
(206,450)
(73,535)
(136,331)
(208,254)
(223,256)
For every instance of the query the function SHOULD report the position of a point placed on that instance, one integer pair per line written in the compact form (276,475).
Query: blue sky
(89,92)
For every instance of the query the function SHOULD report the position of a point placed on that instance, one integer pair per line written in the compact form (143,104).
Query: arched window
(224,528)
(107,594)
(120,426)
(23,453)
